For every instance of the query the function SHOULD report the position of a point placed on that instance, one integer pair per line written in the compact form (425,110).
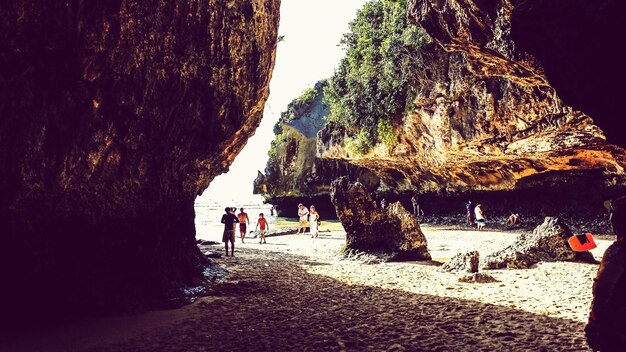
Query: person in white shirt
(303,214)
(480,218)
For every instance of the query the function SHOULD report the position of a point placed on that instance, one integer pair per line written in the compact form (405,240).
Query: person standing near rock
(315,216)
(229,220)
(272,211)
(606,329)
(480,218)
(383,204)
(469,206)
(417,211)
(243,222)
(303,215)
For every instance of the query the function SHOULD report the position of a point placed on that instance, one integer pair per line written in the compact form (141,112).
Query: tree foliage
(370,88)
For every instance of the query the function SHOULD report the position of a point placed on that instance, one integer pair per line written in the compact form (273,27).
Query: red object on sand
(582,243)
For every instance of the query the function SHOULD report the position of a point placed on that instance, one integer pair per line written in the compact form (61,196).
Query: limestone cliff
(469,132)
(114,116)
(293,173)
(484,115)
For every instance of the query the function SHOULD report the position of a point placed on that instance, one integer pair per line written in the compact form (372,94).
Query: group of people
(230,221)
(606,327)
(309,219)
(475,215)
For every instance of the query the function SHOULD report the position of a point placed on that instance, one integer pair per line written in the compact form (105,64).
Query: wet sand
(295,293)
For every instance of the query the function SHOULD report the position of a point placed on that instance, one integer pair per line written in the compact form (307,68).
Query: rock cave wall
(486,121)
(114,116)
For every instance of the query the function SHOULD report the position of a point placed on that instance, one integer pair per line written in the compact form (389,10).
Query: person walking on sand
(262,223)
(229,220)
(243,222)
(314,218)
(480,218)
(303,215)
(606,328)
(469,206)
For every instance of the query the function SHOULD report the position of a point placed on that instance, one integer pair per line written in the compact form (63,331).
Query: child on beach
(262,222)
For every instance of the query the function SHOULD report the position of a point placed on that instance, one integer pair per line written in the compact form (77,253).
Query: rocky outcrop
(478,278)
(392,233)
(470,132)
(462,263)
(485,119)
(548,242)
(293,173)
(114,116)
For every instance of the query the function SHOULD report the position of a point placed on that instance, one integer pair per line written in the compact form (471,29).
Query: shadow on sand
(271,303)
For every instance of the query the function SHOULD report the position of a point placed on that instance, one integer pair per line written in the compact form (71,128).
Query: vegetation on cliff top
(301,105)
(374,83)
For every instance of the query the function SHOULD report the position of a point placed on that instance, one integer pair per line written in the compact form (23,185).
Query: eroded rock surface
(393,232)
(478,278)
(114,116)
(293,173)
(548,242)
(462,263)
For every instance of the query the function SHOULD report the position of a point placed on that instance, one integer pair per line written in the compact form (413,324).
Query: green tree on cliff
(371,88)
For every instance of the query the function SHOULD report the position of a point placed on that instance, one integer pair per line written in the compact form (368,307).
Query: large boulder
(393,233)
(462,263)
(548,242)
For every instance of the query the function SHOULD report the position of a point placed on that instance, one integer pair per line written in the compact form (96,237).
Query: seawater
(209,212)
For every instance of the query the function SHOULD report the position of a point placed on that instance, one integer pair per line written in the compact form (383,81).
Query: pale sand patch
(557,289)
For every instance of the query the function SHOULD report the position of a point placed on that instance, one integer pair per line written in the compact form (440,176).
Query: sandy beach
(296,293)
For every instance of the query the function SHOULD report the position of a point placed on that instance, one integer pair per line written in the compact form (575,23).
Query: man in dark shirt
(606,330)
(229,220)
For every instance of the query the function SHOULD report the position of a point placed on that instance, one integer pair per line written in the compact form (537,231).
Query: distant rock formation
(293,173)
(548,242)
(393,233)
(462,263)
(114,116)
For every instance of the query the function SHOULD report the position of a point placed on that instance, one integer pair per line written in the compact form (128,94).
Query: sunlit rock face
(114,116)
(293,173)
(391,233)
(485,118)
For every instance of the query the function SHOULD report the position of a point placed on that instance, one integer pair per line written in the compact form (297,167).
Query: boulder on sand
(548,242)
(462,263)
(393,233)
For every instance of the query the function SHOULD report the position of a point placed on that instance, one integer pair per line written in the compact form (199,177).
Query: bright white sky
(309,53)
